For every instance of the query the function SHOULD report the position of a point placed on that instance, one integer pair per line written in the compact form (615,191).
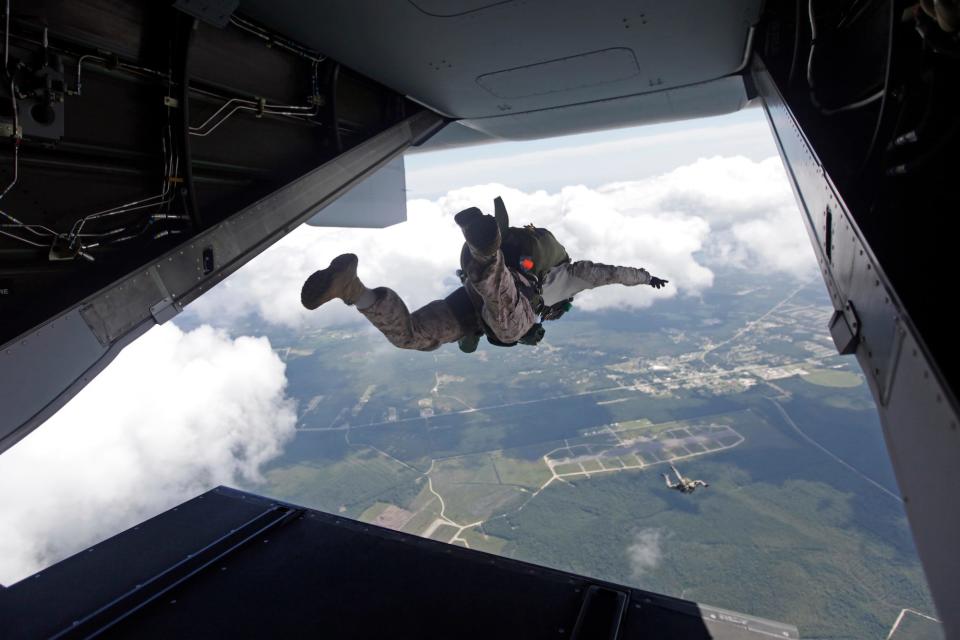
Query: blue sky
(591,159)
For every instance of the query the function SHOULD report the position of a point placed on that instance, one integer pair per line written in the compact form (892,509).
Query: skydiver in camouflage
(683,485)
(513,280)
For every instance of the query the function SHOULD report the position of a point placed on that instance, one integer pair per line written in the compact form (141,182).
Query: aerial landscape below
(554,454)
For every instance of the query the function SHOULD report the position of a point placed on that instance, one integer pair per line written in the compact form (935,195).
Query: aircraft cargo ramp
(233,564)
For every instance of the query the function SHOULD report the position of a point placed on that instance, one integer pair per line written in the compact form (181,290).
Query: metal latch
(845,330)
(165,310)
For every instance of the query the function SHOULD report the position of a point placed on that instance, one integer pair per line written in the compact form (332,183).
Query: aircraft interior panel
(862,101)
(462,64)
(148,153)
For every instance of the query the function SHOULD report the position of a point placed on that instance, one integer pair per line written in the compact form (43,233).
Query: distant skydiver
(683,485)
(510,276)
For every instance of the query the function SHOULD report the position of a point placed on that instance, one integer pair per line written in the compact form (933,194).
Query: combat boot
(480,231)
(339,280)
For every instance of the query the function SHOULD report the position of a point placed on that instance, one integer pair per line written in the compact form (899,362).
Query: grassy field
(514,469)
(467,503)
(371,513)
(443,533)
(592,465)
(483,542)
(561,469)
(426,509)
(838,378)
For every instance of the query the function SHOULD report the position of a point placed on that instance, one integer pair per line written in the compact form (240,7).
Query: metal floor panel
(322,575)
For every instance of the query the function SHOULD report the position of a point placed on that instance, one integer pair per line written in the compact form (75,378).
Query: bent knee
(413,343)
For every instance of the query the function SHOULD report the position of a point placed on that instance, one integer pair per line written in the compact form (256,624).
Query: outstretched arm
(567,280)
(597,274)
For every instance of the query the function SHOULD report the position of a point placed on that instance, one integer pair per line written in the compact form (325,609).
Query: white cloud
(716,211)
(751,210)
(724,189)
(418,259)
(174,415)
(645,553)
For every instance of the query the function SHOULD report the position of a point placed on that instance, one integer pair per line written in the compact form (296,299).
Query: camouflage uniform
(566,280)
(493,288)
(490,285)
(424,330)
(513,279)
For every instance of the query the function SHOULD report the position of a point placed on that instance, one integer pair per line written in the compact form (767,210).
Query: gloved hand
(656,282)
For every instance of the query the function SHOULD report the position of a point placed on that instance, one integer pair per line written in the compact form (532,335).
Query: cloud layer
(592,159)
(717,211)
(174,415)
(645,553)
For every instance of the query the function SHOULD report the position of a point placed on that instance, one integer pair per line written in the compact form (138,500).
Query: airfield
(492,483)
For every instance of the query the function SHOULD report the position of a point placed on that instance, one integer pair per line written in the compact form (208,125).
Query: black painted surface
(147,71)
(322,575)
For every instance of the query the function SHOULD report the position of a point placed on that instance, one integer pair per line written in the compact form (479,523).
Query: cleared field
(472,468)
(482,542)
(680,441)
(422,518)
(561,469)
(833,378)
(370,514)
(592,465)
(443,533)
(466,503)
(387,515)
(647,458)
(634,424)
(519,470)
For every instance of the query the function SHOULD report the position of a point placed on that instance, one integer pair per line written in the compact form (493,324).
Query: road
(751,324)
(837,458)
